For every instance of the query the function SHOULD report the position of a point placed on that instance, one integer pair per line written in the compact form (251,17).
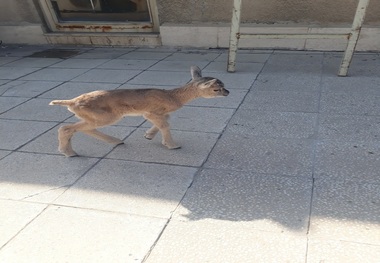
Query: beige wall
(15,12)
(324,12)
(205,23)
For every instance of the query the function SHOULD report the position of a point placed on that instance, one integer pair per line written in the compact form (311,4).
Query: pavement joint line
(22,228)
(199,170)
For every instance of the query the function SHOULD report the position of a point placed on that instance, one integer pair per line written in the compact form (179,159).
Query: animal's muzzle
(225,92)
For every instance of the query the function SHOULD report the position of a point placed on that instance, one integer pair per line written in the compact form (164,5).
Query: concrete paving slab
(195,148)
(346,210)
(342,159)
(272,203)
(301,82)
(58,236)
(233,100)
(199,119)
(299,126)
(293,101)
(70,90)
(107,75)
(15,133)
(350,103)
(162,78)
(127,64)
(149,55)
(233,81)
(7,103)
(14,72)
(297,63)
(291,157)
(37,110)
(130,187)
(223,241)
(28,89)
(34,62)
(274,124)
(104,53)
(349,127)
(195,55)
(20,51)
(243,56)
(3,81)
(15,216)
(356,84)
(335,251)
(41,178)
(80,63)
(83,144)
(240,67)
(55,74)
(362,65)
(7,60)
(4,153)
(175,65)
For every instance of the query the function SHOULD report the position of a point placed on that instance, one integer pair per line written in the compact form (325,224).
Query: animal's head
(208,87)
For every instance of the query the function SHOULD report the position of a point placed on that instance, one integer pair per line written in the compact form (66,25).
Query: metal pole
(353,37)
(234,35)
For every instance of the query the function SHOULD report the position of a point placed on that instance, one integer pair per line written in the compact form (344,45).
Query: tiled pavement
(285,169)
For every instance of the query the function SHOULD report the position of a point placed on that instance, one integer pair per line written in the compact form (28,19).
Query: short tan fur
(102,108)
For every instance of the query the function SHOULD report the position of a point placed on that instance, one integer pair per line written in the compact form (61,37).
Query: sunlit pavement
(284,169)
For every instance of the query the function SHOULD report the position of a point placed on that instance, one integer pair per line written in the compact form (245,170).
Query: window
(101,15)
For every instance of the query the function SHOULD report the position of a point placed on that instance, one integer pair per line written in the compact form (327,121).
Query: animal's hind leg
(101,136)
(65,133)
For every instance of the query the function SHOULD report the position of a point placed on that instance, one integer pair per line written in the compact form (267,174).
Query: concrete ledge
(22,34)
(217,36)
(101,39)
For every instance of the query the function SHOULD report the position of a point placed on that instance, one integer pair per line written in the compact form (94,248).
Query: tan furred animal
(102,108)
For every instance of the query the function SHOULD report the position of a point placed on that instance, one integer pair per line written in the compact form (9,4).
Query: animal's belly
(134,114)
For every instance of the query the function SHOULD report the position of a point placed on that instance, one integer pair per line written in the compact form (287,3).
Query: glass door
(101,15)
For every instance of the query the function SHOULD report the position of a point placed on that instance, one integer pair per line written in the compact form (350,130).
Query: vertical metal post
(353,37)
(234,35)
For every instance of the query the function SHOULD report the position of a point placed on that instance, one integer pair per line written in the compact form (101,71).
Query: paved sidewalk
(284,169)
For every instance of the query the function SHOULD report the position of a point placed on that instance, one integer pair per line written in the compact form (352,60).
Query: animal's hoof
(172,146)
(74,154)
(148,136)
(118,142)
(69,153)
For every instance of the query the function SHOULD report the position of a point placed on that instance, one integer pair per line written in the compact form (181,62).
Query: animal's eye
(216,90)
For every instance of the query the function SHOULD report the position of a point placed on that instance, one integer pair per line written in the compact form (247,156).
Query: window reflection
(101,10)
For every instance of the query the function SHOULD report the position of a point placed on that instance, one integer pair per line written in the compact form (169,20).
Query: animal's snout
(225,92)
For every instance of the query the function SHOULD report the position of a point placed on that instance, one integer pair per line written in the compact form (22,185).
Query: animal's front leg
(160,122)
(149,134)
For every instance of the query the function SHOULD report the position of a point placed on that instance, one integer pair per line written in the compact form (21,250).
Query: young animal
(102,108)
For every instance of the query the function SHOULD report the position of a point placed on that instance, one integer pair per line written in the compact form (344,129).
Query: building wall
(324,12)
(205,23)
(15,12)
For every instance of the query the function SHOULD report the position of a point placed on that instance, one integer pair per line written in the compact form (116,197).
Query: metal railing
(352,36)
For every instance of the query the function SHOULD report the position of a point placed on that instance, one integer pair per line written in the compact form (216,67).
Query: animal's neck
(185,93)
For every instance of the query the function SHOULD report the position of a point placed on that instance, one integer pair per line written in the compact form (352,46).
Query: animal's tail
(61,102)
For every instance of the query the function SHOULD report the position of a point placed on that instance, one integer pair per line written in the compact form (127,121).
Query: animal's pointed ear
(196,72)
